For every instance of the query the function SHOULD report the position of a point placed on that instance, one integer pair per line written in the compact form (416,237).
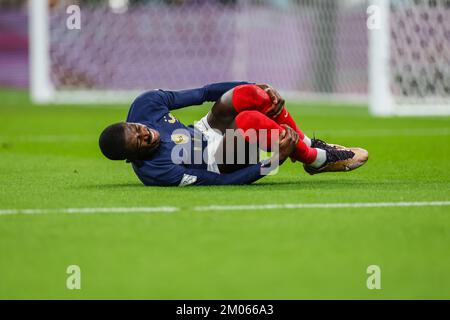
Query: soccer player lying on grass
(165,152)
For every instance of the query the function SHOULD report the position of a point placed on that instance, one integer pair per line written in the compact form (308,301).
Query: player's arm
(190,97)
(260,97)
(177,175)
(252,173)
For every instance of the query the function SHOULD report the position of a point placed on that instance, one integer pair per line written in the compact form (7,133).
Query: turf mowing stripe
(388,132)
(49,138)
(337,133)
(225,208)
(322,205)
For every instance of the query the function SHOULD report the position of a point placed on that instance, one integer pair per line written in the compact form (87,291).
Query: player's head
(128,141)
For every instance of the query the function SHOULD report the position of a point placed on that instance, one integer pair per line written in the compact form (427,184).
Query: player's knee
(255,126)
(249,119)
(250,97)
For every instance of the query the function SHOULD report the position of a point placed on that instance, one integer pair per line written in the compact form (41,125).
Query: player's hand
(288,142)
(277,101)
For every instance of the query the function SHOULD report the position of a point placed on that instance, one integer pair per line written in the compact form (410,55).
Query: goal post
(380,98)
(41,88)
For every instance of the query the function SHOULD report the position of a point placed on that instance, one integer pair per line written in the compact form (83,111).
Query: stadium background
(289,236)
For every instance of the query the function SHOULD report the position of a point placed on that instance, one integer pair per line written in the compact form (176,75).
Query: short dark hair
(112,142)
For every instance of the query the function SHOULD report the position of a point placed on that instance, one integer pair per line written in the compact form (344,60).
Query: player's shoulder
(149,106)
(153,95)
(148,99)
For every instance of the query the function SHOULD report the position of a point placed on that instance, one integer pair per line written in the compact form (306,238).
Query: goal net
(410,58)
(309,49)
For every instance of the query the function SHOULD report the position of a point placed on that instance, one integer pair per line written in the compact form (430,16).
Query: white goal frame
(380,98)
(41,88)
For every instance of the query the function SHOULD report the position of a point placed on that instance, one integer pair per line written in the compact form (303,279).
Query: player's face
(142,141)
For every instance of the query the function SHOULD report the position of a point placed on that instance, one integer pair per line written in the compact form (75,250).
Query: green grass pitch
(49,159)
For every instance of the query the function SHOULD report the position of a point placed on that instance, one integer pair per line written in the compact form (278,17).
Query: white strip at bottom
(286,206)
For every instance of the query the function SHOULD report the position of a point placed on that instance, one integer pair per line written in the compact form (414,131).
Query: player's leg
(316,155)
(316,160)
(249,132)
(254,120)
(252,97)
(235,153)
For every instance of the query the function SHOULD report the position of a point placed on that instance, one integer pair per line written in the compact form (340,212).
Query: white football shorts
(213,138)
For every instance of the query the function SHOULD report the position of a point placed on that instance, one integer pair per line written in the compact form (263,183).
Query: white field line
(223,208)
(331,133)
(88,210)
(322,205)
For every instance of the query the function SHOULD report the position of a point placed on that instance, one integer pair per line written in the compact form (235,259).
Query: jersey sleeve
(185,98)
(177,175)
(206,178)
(152,105)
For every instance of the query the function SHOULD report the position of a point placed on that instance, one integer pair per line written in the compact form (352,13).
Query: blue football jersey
(178,161)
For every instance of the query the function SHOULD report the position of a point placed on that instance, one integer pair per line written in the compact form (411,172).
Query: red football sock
(285,118)
(252,97)
(247,120)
